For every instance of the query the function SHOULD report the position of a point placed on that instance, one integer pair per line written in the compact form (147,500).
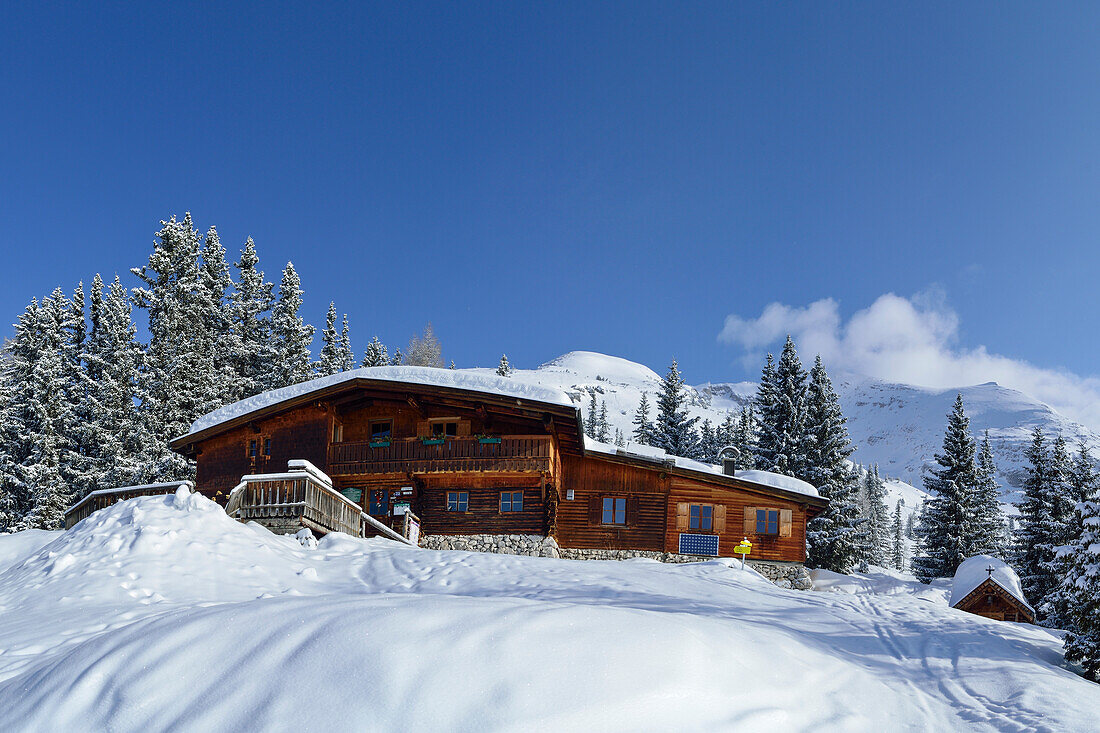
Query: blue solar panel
(699,544)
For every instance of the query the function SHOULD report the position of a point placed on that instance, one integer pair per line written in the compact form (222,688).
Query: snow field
(162,613)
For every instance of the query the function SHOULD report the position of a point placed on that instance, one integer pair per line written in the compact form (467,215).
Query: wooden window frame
(337,431)
(372,423)
(717,518)
(511,494)
(443,422)
(694,515)
(784,522)
(262,441)
(461,499)
(614,510)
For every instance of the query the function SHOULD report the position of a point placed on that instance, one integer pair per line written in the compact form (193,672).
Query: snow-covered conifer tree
(290,335)
(45,469)
(184,381)
(837,536)
(989,521)
(592,420)
(783,441)
(504,369)
(897,554)
(643,426)
(1080,588)
(398,358)
(347,356)
(878,547)
(674,430)
(708,443)
(375,354)
(249,306)
(603,429)
(946,529)
(329,359)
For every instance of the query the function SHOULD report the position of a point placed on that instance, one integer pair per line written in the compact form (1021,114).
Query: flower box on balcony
(380,443)
(432,441)
(489,441)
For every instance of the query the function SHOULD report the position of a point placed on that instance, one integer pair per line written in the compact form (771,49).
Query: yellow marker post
(743,549)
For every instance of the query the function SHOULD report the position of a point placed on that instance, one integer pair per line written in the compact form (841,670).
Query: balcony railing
(102,498)
(522,453)
(302,497)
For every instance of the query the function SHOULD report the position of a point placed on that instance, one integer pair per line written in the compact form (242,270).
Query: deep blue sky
(537,179)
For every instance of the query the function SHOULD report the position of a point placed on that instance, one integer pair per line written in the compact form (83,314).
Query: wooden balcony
(302,497)
(103,498)
(515,453)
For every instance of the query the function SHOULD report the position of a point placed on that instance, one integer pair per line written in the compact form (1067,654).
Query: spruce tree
(1080,588)
(643,426)
(744,438)
(250,325)
(184,381)
(708,443)
(45,469)
(214,311)
(673,430)
(897,555)
(592,421)
(989,521)
(290,335)
(1045,524)
(114,382)
(603,429)
(783,440)
(329,360)
(347,356)
(375,354)
(878,547)
(837,536)
(504,369)
(398,358)
(947,529)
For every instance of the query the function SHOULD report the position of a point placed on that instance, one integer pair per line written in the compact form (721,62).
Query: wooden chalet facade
(482,458)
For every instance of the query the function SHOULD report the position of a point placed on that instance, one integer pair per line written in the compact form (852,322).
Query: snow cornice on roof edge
(410,376)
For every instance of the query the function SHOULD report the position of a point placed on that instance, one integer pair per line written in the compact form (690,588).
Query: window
(381,430)
(267,446)
(511,501)
(458,501)
(767,521)
(614,510)
(449,429)
(253,448)
(337,432)
(701,517)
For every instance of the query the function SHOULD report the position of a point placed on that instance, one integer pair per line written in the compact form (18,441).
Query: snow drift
(162,613)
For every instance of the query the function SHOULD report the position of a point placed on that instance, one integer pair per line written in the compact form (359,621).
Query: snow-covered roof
(659,455)
(972,573)
(423,376)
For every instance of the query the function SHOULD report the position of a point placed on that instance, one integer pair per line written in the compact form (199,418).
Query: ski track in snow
(163,613)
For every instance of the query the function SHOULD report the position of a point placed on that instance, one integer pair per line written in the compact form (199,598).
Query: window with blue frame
(767,521)
(614,510)
(511,501)
(458,501)
(701,517)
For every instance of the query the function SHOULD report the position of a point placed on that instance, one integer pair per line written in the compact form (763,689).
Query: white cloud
(910,340)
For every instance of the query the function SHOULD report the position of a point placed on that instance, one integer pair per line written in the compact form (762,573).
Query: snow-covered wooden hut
(988,587)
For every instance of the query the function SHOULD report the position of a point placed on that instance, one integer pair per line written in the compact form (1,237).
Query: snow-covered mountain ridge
(897,426)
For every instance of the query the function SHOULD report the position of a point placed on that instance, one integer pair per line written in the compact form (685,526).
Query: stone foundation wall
(506,544)
(783,574)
